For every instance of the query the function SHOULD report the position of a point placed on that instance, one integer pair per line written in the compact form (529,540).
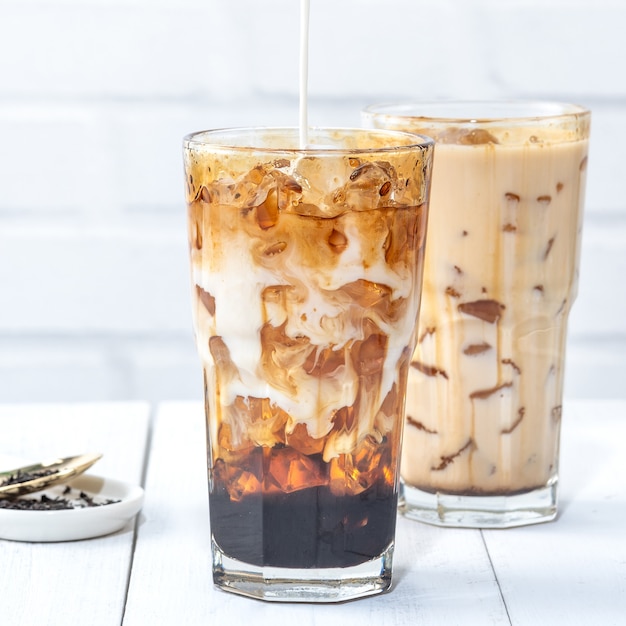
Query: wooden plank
(573,570)
(82,581)
(442,576)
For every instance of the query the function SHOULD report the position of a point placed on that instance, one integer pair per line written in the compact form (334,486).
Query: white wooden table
(157,571)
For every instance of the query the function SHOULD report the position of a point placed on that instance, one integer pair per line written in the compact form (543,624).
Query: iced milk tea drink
(484,404)
(306,267)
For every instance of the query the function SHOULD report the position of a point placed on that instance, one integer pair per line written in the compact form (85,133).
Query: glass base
(281,584)
(506,511)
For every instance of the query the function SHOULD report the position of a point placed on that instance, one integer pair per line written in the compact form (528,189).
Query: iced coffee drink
(484,403)
(306,268)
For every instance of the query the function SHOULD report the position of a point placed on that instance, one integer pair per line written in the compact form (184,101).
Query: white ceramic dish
(76,523)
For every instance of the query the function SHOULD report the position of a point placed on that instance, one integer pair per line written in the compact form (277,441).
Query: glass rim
(467,111)
(412,140)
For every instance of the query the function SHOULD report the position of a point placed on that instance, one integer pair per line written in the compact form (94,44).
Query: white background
(95,96)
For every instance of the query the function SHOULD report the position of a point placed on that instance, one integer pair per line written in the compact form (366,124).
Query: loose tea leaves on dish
(69,499)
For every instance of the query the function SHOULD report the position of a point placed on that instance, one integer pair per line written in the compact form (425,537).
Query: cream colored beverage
(484,402)
(306,266)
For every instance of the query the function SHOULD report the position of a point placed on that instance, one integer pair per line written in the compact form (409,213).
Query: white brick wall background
(95,96)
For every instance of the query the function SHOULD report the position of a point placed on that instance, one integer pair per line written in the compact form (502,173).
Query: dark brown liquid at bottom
(308,528)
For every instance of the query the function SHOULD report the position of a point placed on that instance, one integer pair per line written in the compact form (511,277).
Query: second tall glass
(484,403)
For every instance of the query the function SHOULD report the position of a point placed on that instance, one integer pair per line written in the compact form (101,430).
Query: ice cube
(289,471)
(300,440)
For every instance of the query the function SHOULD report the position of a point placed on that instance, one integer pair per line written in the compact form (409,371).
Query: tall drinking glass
(306,266)
(484,404)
